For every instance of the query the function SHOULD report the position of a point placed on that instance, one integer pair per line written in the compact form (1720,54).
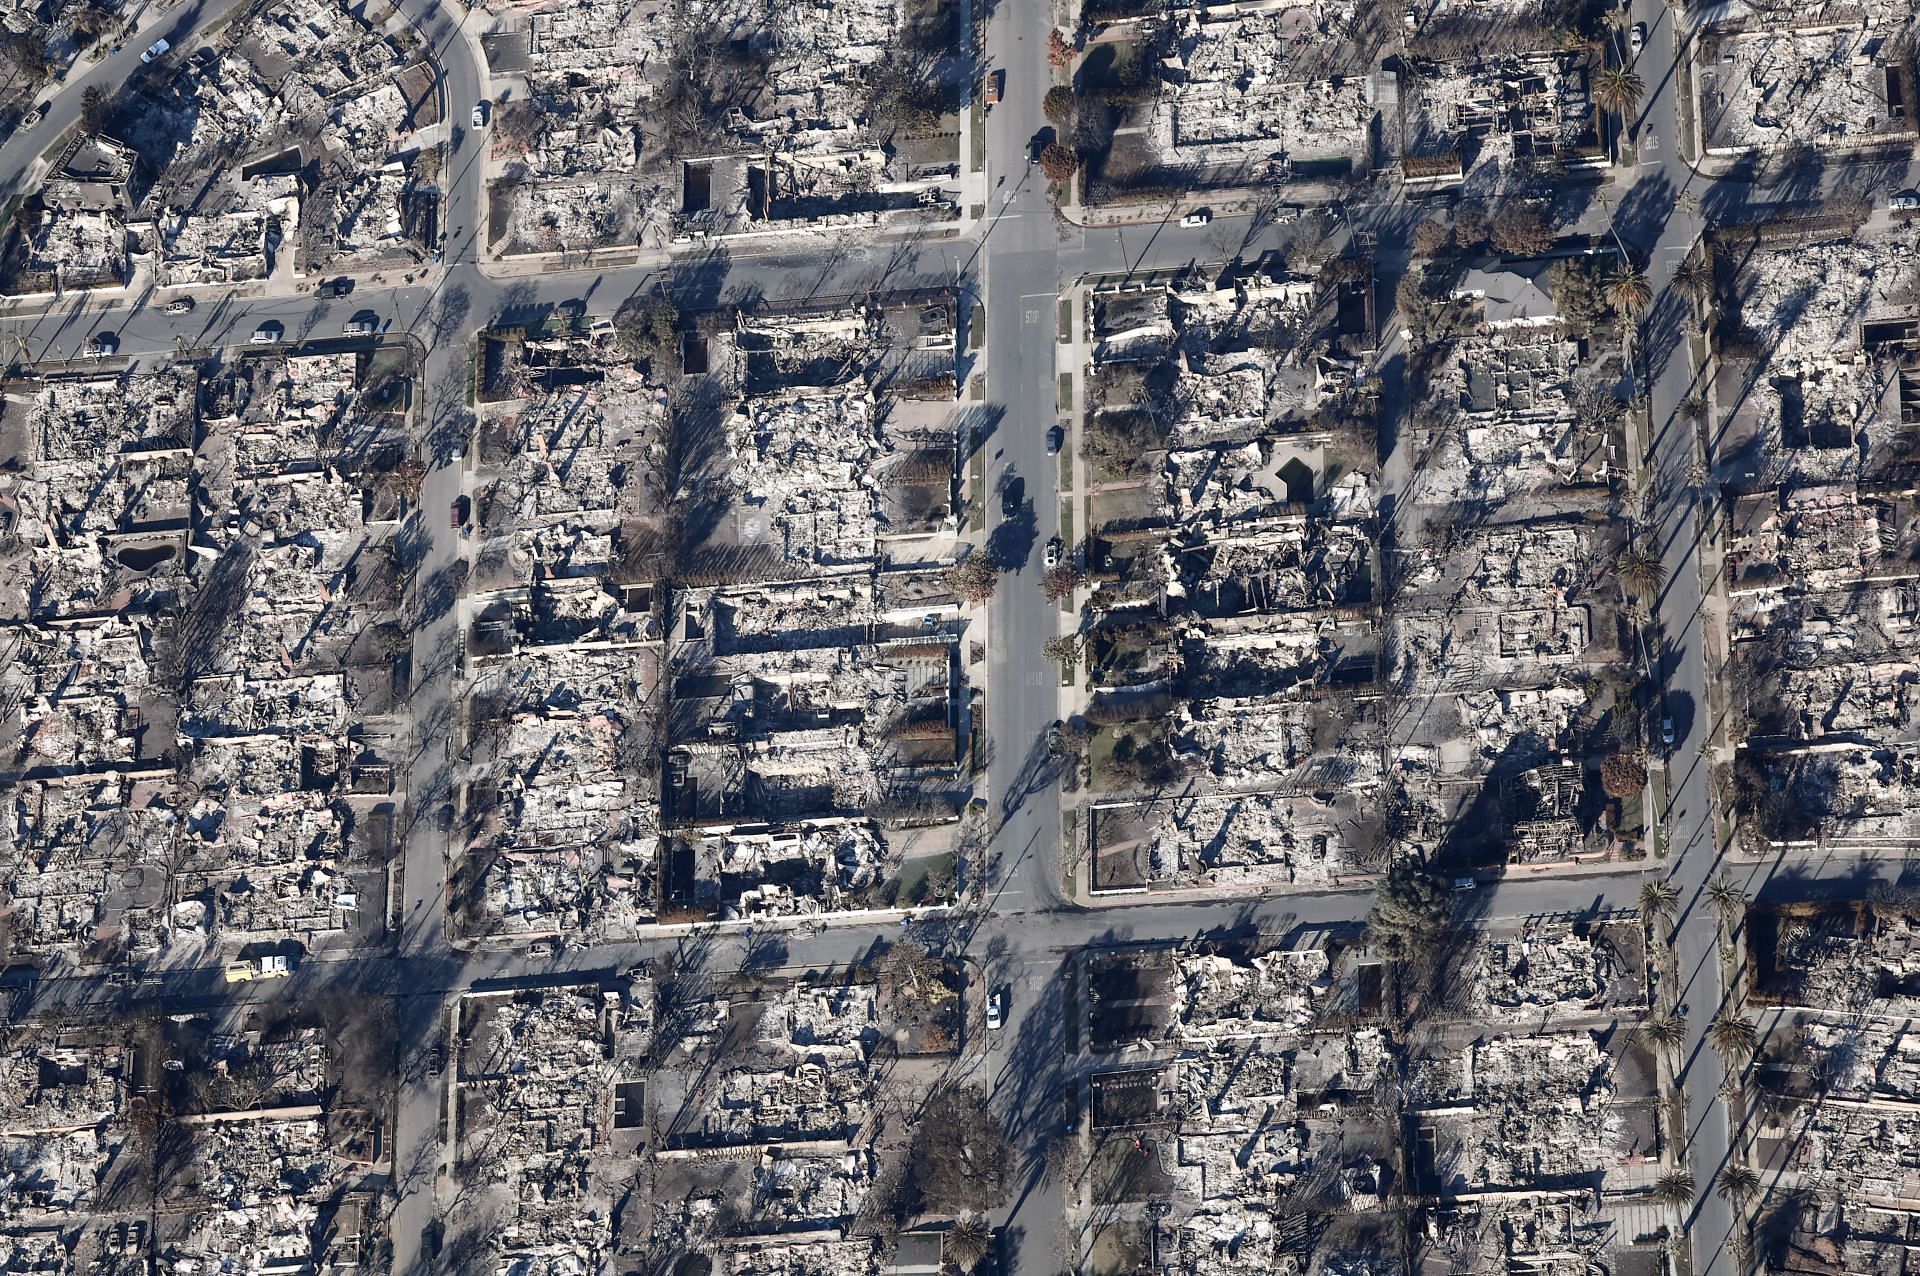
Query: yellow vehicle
(239,972)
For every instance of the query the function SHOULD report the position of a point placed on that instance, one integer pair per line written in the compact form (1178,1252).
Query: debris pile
(1242,588)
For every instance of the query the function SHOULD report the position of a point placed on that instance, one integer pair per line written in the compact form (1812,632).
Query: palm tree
(1737,1184)
(967,1241)
(1640,569)
(1674,1188)
(1664,1030)
(1727,899)
(1618,90)
(1628,290)
(1733,1034)
(1659,899)
(1693,278)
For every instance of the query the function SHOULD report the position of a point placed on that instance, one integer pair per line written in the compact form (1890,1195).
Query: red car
(460,509)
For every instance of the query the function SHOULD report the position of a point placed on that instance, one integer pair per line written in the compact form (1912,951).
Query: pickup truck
(996,84)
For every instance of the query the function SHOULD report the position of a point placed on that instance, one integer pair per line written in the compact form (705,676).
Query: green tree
(1058,107)
(646,323)
(1666,1030)
(1521,229)
(1577,294)
(1628,291)
(1674,1188)
(94,109)
(1728,900)
(967,1242)
(1693,279)
(1736,1185)
(1733,1035)
(1410,908)
(1659,900)
(1640,570)
(1617,90)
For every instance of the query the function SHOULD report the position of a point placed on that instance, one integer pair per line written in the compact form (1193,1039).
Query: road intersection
(1015,262)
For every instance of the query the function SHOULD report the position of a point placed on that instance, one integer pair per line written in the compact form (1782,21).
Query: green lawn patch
(979,136)
(1066,320)
(1116,503)
(1069,827)
(1066,391)
(926,880)
(976,483)
(977,328)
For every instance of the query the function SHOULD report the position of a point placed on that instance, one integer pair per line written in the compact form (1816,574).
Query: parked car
(1054,550)
(462,506)
(240,972)
(270,331)
(1198,217)
(180,305)
(159,47)
(1637,38)
(341,287)
(1056,439)
(996,1011)
(1013,497)
(1465,884)
(480,113)
(102,345)
(1904,201)
(996,82)
(1666,732)
(274,965)
(32,118)
(364,324)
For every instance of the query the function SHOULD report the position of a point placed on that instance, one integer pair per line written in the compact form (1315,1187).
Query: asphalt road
(1657,217)
(1016,262)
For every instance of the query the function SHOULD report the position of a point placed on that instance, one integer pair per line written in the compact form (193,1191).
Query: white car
(1198,217)
(102,345)
(159,47)
(1637,38)
(1903,202)
(180,305)
(480,114)
(1054,548)
(33,117)
(996,1012)
(266,333)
